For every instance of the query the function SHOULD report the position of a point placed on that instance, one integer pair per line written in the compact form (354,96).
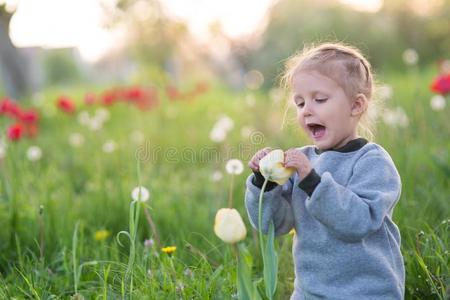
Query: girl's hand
(296,159)
(254,162)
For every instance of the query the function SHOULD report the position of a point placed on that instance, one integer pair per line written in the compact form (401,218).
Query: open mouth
(316,130)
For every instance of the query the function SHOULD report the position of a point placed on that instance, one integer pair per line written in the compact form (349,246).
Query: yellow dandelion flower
(101,235)
(169,250)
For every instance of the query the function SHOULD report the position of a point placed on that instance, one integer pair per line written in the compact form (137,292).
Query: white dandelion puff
(385,92)
(137,137)
(234,166)
(109,146)
(83,118)
(438,102)
(102,114)
(140,193)
(396,117)
(225,122)
(34,153)
(217,135)
(410,57)
(76,139)
(216,176)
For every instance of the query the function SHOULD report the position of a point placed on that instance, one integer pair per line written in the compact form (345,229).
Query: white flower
(109,146)
(34,153)
(217,135)
(83,118)
(216,176)
(140,193)
(234,166)
(76,139)
(2,151)
(385,92)
(229,226)
(95,124)
(137,137)
(271,167)
(438,102)
(410,57)
(102,114)
(225,123)
(396,117)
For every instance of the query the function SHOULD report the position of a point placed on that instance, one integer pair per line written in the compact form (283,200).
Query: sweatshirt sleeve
(358,209)
(276,206)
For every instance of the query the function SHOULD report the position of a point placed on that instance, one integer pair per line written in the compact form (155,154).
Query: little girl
(341,198)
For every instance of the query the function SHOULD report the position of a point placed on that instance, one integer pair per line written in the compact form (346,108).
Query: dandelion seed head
(217,135)
(216,176)
(34,153)
(102,114)
(438,102)
(76,139)
(140,193)
(109,146)
(234,166)
(410,57)
(83,118)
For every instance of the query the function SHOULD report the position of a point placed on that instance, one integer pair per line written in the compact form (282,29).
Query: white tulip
(229,226)
(271,167)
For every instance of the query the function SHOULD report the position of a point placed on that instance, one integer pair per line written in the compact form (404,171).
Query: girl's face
(323,110)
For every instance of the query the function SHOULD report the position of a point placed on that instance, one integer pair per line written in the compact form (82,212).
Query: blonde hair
(346,66)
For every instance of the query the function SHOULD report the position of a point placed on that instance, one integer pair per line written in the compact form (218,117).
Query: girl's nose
(307,109)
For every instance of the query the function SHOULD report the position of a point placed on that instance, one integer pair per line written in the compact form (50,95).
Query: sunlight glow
(77,23)
(364,5)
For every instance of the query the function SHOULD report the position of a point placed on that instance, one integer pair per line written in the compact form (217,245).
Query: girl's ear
(359,105)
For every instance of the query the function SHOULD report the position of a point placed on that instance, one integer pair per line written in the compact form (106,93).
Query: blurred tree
(12,68)
(60,67)
(154,39)
(382,36)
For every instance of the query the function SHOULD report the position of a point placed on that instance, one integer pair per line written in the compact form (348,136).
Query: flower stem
(261,241)
(230,198)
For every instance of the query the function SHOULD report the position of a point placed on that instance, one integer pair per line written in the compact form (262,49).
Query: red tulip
(133,93)
(89,99)
(66,105)
(15,132)
(9,108)
(29,116)
(172,92)
(441,84)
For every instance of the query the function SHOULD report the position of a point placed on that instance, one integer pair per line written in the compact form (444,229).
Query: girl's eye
(301,104)
(321,100)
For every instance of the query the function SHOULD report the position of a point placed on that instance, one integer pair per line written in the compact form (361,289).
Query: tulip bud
(229,226)
(271,167)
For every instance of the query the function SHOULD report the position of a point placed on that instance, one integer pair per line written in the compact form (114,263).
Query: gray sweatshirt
(346,244)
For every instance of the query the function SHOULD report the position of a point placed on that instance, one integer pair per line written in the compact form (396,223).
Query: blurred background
(47,42)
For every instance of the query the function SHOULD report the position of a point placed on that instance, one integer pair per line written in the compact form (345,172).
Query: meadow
(61,212)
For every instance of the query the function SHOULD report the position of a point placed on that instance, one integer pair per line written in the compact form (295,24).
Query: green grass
(41,251)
